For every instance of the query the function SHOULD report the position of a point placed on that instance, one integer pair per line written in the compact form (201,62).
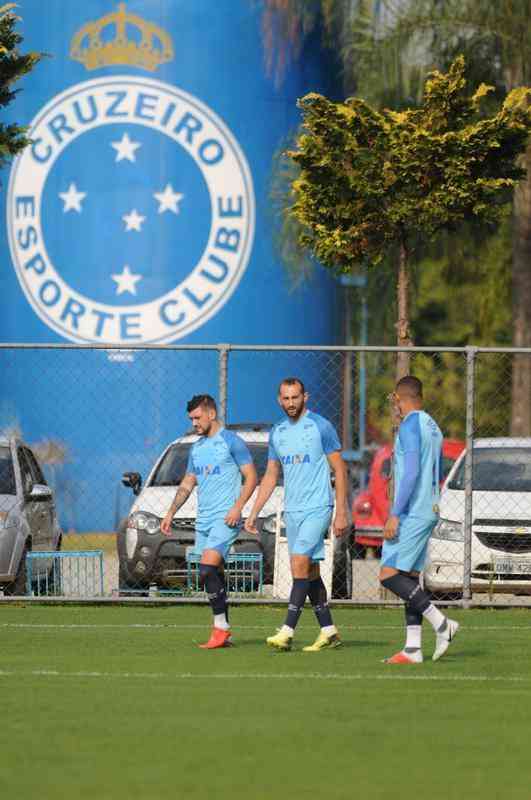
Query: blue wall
(183,151)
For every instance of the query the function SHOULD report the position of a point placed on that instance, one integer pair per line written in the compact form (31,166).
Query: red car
(370,508)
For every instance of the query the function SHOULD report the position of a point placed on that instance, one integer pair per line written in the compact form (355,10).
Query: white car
(501,522)
(148,557)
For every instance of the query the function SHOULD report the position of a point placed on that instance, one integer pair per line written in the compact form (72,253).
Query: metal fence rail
(91,413)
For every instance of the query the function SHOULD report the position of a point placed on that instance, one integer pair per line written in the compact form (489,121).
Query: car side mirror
(133,480)
(40,492)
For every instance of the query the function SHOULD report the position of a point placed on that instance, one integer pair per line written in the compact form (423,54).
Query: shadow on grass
(300,643)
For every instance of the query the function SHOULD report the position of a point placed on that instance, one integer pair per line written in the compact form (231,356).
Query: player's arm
(332,449)
(250,481)
(267,486)
(339,467)
(243,458)
(182,494)
(409,435)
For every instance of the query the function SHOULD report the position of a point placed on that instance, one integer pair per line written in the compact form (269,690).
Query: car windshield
(502,469)
(447,464)
(172,468)
(7,474)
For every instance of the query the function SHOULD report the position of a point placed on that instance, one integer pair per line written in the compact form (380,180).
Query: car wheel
(18,586)
(341,570)
(52,584)
(357,551)
(442,596)
(129,588)
(340,583)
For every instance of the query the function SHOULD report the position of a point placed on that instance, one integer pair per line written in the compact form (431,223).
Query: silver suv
(28,519)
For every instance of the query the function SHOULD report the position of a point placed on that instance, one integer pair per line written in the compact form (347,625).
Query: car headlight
(270,524)
(449,531)
(144,521)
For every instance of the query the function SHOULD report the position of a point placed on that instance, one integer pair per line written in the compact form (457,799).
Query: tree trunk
(521,287)
(403,337)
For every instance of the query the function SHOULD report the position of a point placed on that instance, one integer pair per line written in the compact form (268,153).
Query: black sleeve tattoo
(181,496)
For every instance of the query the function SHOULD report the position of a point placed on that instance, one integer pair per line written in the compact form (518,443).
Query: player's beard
(295,413)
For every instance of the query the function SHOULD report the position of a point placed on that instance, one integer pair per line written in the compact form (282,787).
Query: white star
(133,221)
(125,148)
(72,199)
(126,282)
(168,199)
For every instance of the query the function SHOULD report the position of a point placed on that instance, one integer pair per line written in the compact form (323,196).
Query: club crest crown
(135,42)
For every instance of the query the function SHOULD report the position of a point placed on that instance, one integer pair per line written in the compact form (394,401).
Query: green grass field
(118,702)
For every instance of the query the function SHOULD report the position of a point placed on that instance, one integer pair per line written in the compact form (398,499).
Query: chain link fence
(75,419)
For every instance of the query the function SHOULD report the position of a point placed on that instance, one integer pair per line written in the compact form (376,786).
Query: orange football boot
(218,638)
(401,658)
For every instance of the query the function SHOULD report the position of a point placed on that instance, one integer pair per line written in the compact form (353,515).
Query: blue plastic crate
(244,572)
(73,573)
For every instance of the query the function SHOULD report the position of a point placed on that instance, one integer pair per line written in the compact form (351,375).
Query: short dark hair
(410,385)
(291,382)
(205,400)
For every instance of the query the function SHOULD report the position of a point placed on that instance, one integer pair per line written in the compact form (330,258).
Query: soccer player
(307,446)
(216,464)
(417,471)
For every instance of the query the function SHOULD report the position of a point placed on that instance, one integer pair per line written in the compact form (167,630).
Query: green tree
(498,32)
(374,180)
(385,45)
(461,291)
(13,66)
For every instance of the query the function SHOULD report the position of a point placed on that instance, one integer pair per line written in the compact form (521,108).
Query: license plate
(510,567)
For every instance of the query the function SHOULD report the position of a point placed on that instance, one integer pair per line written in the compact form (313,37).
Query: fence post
(469,461)
(223,381)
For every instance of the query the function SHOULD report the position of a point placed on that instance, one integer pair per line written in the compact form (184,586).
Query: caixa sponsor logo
(131,216)
(295,459)
(208,469)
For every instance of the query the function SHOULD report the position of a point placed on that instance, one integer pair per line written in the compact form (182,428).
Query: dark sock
(413,617)
(299,591)
(319,601)
(223,577)
(214,587)
(409,590)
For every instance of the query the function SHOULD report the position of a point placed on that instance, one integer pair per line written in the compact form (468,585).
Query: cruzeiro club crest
(131,216)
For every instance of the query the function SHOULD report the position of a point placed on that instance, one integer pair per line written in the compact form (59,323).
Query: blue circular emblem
(131,216)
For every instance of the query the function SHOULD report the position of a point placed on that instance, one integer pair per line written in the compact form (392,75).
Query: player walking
(417,471)
(216,464)
(307,446)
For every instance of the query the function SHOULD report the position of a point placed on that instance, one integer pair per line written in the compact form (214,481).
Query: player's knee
(206,571)
(385,574)
(300,566)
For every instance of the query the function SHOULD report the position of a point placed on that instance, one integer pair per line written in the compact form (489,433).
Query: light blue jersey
(418,453)
(215,461)
(302,448)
